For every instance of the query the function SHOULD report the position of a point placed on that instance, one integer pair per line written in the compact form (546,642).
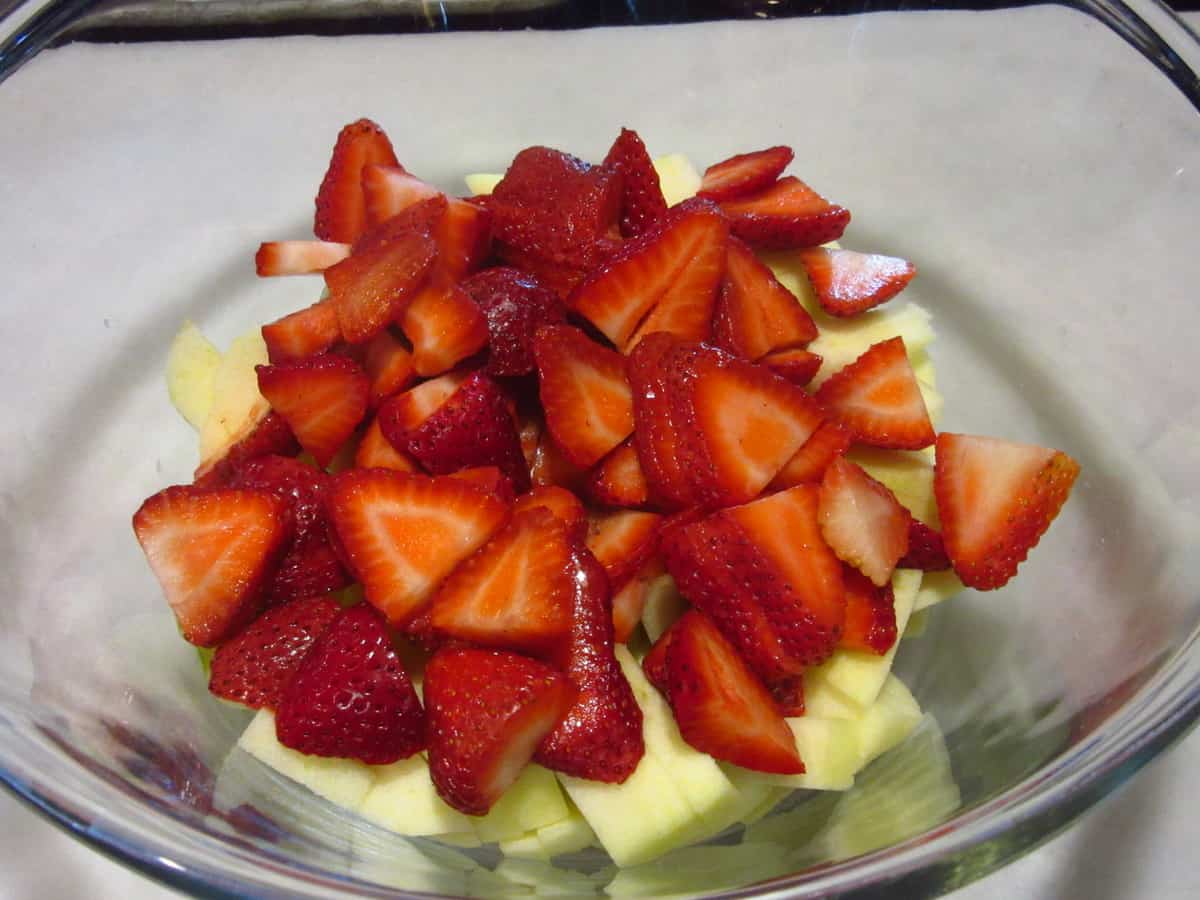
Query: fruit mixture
(588,508)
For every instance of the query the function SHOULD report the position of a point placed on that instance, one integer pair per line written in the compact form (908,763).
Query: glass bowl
(1038,163)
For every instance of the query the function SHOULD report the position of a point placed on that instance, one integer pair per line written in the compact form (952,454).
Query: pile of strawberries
(535,403)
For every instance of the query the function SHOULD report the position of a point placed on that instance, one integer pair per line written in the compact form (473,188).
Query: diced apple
(888,722)
(935,403)
(771,799)
(824,701)
(527,846)
(570,835)
(482,183)
(860,675)
(936,587)
(533,801)
(677,176)
(404,800)
(341,781)
(918,622)
(830,750)
(664,605)
(714,798)
(237,405)
(192,363)
(907,474)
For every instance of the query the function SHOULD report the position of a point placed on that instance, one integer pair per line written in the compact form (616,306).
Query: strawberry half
(403,534)
(720,707)
(309,566)
(472,427)
(785,216)
(848,283)
(255,666)
(642,202)
(270,435)
(514,593)
(297,257)
(350,696)
(389,263)
(341,213)
(322,399)
(304,333)
(926,549)
(389,365)
(828,443)
(878,399)
(618,479)
(677,265)
(870,614)
(515,306)
(376,452)
(212,552)
(587,401)
(487,712)
(444,327)
(623,542)
(996,499)
(389,190)
(796,365)
(755,314)
(562,503)
(600,737)
(738,423)
(656,434)
(746,173)
(862,521)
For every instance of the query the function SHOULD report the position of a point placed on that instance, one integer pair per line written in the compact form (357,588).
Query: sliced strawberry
(341,214)
(862,521)
(739,423)
(848,283)
(309,566)
(556,208)
(755,314)
(515,306)
(562,503)
(270,435)
(600,738)
(802,594)
(583,390)
(408,410)
(629,601)
(618,479)
(551,466)
(796,365)
(720,707)
(389,365)
(464,239)
(490,480)
(370,287)
(926,549)
(255,666)
(350,696)
(488,710)
(297,257)
(827,444)
(389,190)
(376,452)
(654,663)
(996,499)
(403,534)
(212,552)
(746,173)
(514,593)
(444,327)
(870,614)
(472,427)
(322,398)
(711,561)
(419,218)
(623,542)
(656,434)
(642,202)
(787,215)
(678,264)
(878,399)
(304,333)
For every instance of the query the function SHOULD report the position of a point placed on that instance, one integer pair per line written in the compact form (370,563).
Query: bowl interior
(1038,170)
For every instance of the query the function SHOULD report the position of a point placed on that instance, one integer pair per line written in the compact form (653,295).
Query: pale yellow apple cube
(678,178)
(534,800)
(570,835)
(527,846)
(888,722)
(404,800)
(830,750)
(907,474)
(664,605)
(192,364)
(482,183)
(936,587)
(237,405)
